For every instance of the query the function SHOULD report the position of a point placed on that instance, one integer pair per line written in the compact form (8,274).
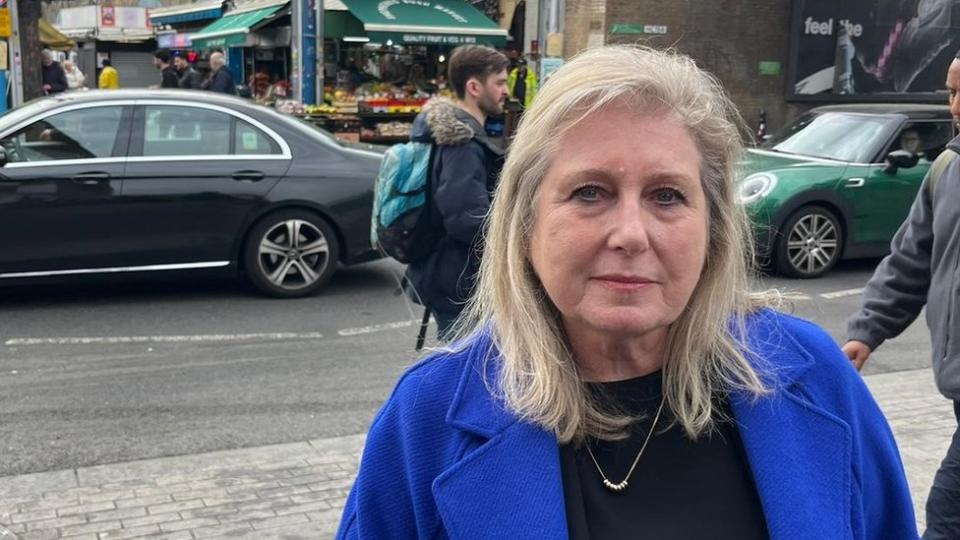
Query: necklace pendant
(616,488)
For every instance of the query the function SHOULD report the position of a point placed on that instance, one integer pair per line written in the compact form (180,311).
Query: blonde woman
(76,80)
(615,378)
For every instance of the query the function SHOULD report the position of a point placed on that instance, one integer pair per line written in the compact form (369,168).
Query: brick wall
(729,38)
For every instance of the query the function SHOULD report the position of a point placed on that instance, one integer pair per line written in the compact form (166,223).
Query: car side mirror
(901,159)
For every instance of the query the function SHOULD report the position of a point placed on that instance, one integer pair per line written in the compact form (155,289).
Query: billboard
(872,49)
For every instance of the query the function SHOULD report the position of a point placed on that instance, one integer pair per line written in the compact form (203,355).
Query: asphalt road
(102,373)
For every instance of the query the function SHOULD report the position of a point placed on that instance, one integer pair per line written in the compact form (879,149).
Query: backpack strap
(936,170)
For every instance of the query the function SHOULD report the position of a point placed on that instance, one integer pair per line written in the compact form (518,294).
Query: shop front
(256,38)
(175,24)
(122,34)
(385,60)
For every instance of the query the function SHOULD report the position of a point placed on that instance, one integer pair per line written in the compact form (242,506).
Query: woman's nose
(628,230)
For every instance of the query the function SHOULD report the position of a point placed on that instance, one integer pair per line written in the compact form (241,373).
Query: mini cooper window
(926,139)
(840,136)
(79,134)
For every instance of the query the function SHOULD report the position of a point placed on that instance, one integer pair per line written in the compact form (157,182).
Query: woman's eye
(587,193)
(668,196)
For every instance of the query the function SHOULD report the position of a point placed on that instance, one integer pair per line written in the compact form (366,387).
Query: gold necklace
(617,488)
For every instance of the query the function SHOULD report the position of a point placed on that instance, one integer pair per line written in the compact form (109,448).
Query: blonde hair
(538,376)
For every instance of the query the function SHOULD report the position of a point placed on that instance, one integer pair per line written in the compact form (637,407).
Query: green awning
(232,29)
(425,22)
(341,24)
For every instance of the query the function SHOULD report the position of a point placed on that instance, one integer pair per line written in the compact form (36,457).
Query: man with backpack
(442,238)
(921,271)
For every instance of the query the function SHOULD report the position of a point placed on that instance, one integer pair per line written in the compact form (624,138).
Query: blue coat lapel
(800,455)
(508,487)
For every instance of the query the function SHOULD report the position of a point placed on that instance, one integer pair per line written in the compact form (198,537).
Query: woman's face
(620,232)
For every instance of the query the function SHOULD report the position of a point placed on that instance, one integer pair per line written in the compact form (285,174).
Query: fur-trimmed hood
(444,123)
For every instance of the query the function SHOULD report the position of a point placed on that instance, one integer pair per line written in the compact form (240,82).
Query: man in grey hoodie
(922,270)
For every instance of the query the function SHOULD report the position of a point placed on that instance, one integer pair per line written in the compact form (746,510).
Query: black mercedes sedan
(130,181)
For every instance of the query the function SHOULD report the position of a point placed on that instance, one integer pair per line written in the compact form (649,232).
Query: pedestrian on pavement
(920,271)
(75,78)
(168,75)
(220,79)
(109,77)
(613,373)
(54,78)
(190,79)
(465,169)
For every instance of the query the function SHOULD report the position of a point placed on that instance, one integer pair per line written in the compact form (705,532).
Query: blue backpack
(401,225)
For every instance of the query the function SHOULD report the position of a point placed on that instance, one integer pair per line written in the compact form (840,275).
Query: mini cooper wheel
(810,244)
(291,253)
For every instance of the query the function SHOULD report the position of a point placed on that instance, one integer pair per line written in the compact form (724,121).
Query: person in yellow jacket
(525,92)
(109,78)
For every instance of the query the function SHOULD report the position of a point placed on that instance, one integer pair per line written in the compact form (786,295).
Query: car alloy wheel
(290,254)
(811,244)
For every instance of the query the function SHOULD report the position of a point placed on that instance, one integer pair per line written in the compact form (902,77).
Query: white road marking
(842,294)
(120,340)
(377,328)
(795,296)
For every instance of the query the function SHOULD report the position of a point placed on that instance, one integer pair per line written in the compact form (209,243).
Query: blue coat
(444,459)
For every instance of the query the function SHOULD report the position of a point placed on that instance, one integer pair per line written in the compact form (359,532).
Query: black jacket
(466,166)
(190,79)
(169,78)
(55,77)
(221,81)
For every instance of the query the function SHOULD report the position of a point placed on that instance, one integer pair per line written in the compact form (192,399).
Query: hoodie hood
(442,122)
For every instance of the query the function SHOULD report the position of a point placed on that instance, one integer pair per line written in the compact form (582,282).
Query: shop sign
(769,68)
(384,9)
(108,16)
(5,30)
(438,39)
(867,49)
(173,41)
(547,66)
(635,29)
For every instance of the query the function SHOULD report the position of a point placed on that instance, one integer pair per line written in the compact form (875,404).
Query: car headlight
(755,187)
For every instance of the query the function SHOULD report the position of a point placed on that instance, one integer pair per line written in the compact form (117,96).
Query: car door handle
(855,182)
(248,176)
(90,178)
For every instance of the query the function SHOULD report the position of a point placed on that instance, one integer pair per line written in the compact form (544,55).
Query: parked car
(164,180)
(838,181)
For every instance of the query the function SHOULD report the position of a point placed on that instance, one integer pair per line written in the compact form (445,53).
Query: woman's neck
(604,357)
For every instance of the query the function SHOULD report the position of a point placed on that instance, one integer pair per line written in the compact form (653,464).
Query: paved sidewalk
(294,491)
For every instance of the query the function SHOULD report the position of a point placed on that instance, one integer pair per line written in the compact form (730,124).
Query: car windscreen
(849,137)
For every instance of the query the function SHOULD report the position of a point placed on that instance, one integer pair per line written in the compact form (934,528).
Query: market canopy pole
(320,75)
(304,51)
(16,59)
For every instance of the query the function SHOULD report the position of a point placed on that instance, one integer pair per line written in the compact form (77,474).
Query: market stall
(385,60)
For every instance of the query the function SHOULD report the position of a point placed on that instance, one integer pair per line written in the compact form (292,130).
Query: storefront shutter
(135,68)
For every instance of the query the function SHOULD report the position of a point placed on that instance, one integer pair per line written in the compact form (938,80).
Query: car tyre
(810,243)
(290,254)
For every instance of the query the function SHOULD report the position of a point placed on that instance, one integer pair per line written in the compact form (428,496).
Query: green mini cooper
(838,182)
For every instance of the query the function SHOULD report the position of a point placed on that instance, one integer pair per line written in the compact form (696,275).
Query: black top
(54,76)
(169,78)
(680,489)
